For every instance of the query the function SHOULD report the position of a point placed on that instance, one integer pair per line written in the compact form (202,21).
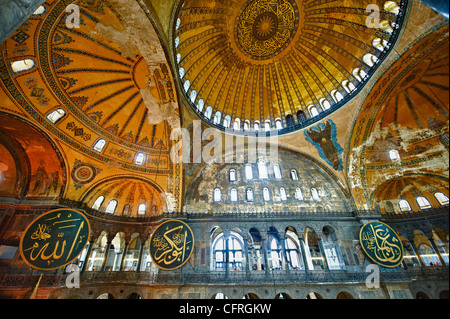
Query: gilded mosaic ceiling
(95,79)
(284,62)
(98,86)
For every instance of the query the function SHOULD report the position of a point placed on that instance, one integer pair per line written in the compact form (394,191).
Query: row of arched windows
(99,146)
(262,172)
(112,206)
(423,202)
(266,194)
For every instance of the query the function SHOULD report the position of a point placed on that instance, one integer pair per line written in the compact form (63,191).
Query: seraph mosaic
(323,137)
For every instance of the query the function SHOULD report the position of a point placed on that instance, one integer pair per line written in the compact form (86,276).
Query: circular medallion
(381,244)
(83,173)
(265,27)
(171,245)
(55,239)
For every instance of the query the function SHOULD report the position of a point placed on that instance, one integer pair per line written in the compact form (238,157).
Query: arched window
(275,260)
(111,207)
(237,124)
(283,194)
(246,125)
(256,126)
(227,121)
(141,209)
(200,105)
(249,194)
(262,169)
(266,194)
(277,171)
(217,196)
(391,6)
(294,175)
(337,96)
(278,124)
(393,155)
(348,86)
(126,210)
(404,205)
(56,115)
(22,65)
(208,112)
(39,11)
(293,252)
(177,42)
(178,58)
(441,198)
(423,202)
(98,202)
(315,193)
(248,171)
(232,175)
(181,72)
(301,117)
(298,193)
(178,24)
(325,104)
(379,44)
(99,145)
(370,59)
(386,26)
(359,74)
(313,111)
(186,85)
(234,195)
(233,248)
(193,95)
(217,117)
(140,159)
(267,125)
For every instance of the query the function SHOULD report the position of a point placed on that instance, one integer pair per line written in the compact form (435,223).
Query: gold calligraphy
(171,245)
(381,244)
(265,27)
(54,239)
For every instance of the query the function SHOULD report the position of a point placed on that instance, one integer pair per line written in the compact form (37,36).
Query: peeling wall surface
(136,112)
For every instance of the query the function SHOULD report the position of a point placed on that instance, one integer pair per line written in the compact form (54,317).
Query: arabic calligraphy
(54,239)
(381,244)
(265,27)
(171,245)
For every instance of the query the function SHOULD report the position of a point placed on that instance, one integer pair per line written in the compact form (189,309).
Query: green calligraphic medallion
(55,239)
(381,244)
(171,245)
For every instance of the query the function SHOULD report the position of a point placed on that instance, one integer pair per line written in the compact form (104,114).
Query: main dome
(278,64)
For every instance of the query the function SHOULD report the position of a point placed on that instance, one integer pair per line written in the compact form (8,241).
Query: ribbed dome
(286,63)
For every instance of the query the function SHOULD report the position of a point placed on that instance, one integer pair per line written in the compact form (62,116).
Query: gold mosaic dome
(278,64)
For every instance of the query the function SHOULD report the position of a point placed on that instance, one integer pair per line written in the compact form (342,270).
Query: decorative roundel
(266,27)
(83,173)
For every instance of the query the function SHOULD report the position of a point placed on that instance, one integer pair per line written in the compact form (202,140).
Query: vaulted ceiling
(274,60)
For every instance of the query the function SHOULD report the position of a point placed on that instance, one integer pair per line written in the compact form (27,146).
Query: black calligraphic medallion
(55,239)
(381,244)
(171,244)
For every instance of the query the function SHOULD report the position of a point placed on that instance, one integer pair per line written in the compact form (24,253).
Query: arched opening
(344,295)
(313,295)
(331,249)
